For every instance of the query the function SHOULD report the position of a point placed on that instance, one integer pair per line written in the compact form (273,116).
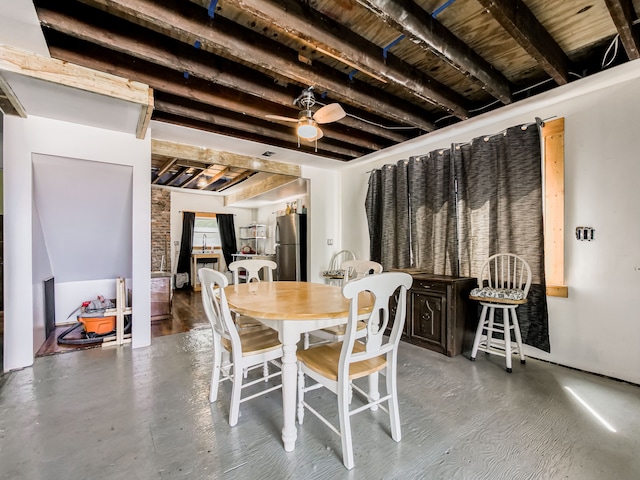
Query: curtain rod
(538,121)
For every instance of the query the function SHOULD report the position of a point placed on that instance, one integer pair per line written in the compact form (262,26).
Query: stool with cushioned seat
(503,283)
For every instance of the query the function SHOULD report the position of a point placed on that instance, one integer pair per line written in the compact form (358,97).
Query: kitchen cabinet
(440,315)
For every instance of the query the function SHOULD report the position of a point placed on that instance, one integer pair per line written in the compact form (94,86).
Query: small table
(292,308)
(205,257)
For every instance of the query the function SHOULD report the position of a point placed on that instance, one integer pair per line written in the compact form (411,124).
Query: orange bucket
(98,325)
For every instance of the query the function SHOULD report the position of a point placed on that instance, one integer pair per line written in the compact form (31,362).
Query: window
(205,232)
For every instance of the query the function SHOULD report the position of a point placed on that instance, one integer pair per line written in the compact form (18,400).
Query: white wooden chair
(503,283)
(251,269)
(354,269)
(248,349)
(336,365)
(334,275)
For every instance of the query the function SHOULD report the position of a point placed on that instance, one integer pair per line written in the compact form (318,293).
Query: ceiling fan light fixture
(307,129)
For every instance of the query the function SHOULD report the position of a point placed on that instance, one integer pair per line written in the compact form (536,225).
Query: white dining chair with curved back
(354,269)
(252,268)
(248,349)
(335,366)
(503,284)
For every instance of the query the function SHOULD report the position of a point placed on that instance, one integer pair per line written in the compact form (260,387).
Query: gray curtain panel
(393,216)
(374,215)
(432,213)
(500,211)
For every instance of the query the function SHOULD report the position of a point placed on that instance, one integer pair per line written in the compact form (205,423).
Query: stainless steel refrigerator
(291,247)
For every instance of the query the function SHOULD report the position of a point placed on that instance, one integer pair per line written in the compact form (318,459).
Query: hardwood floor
(186,314)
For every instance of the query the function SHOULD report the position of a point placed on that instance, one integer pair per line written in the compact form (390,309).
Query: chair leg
(265,371)
(506,320)
(392,389)
(300,395)
(374,391)
(492,312)
(345,424)
(234,410)
(306,341)
(215,374)
(476,340)
(516,330)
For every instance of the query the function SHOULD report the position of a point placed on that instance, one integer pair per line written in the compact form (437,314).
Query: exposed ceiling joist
(211,156)
(624,15)
(234,181)
(164,169)
(215,178)
(242,45)
(322,33)
(225,120)
(413,21)
(516,18)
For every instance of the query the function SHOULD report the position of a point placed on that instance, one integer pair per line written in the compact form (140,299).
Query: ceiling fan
(307,120)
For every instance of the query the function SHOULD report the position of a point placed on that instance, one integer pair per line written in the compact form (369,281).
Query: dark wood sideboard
(440,315)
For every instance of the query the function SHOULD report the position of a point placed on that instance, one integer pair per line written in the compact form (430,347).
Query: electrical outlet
(329,241)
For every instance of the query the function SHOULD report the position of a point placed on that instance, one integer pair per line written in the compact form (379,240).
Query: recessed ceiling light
(268,154)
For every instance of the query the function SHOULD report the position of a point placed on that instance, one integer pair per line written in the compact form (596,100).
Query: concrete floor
(144,414)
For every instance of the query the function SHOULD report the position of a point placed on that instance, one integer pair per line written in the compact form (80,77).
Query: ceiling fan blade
(280,117)
(329,113)
(317,137)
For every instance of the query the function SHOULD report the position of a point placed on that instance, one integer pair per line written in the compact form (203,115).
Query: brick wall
(160,228)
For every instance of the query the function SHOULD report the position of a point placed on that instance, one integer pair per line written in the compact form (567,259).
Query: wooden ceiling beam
(623,14)
(321,33)
(247,47)
(234,181)
(408,18)
(263,186)
(165,168)
(179,58)
(181,171)
(215,178)
(9,102)
(516,18)
(75,76)
(220,119)
(211,156)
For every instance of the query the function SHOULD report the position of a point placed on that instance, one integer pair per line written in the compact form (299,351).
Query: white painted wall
(35,135)
(597,328)
(324,210)
(185,201)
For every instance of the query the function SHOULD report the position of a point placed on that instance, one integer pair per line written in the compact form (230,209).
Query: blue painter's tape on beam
(395,42)
(212,8)
(438,10)
(352,73)
(323,95)
(186,74)
(197,44)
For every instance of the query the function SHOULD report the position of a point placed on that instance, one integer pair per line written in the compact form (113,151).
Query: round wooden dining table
(293,308)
